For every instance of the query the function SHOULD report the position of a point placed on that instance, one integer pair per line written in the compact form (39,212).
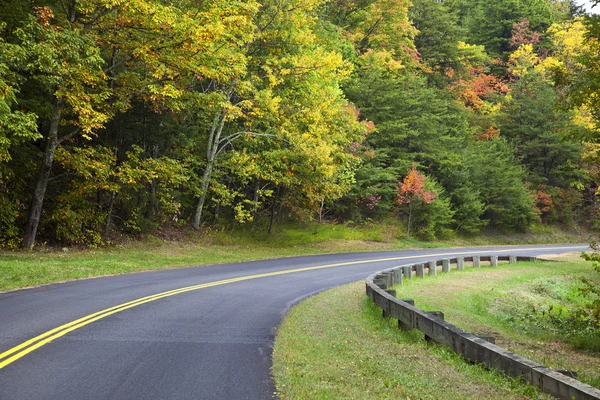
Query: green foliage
(491,23)
(159,111)
(594,257)
(507,203)
(97,180)
(433,220)
(438,38)
(541,134)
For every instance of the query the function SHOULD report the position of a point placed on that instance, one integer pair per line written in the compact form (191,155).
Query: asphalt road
(210,341)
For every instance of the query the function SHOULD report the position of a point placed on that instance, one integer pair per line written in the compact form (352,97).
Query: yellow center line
(38,341)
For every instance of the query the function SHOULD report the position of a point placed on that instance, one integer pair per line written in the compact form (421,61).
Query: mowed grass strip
(335,345)
(20,269)
(525,306)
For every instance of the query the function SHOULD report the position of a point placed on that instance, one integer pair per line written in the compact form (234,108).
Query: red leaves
(413,189)
(521,34)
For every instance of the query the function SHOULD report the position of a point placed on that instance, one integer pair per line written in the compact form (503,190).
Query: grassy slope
(506,302)
(25,269)
(353,353)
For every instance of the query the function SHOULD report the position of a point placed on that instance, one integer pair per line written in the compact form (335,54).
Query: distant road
(192,333)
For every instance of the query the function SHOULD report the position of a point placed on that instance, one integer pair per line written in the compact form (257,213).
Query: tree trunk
(111,206)
(202,198)
(321,210)
(211,153)
(41,185)
(410,212)
(255,206)
(273,211)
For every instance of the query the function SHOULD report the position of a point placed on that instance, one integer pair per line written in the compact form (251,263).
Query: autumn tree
(89,60)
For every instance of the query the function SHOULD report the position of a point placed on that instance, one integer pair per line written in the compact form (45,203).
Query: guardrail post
(445,265)
(476,261)
(512,260)
(384,312)
(398,276)
(389,279)
(432,268)
(401,325)
(380,281)
(439,315)
(494,261)
(460,263)
(407,271)
(420,270)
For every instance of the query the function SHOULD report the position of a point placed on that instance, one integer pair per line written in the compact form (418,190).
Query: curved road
(193,333)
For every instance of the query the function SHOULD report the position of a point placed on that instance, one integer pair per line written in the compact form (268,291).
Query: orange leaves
(44,15)
(543,200)
(413,189)
(474,90)
(490,134)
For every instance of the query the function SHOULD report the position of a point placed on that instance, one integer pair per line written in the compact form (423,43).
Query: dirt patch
(572,256)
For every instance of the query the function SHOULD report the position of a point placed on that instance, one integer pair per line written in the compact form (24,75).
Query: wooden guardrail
(468,345)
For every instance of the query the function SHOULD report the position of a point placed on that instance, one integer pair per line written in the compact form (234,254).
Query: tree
(424,201)
(412,193)
(438,38)
(66,66)
(490,23)
(88,60)
(508,204)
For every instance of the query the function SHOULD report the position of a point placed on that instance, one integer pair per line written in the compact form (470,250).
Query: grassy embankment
(336,346)
(354,353)
(19,269)
(531,309)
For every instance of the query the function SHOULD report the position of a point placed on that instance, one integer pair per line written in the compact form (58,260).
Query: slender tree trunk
(410,212)
(41,185)
(211,153)
(204,188)
(273,211)
(111,206)
(256,189)
(212,149)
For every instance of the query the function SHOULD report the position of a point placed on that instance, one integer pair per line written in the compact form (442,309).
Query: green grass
(336,346)
(525,306)
(19,269)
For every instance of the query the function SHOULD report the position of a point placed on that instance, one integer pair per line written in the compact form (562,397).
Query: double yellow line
(15,353)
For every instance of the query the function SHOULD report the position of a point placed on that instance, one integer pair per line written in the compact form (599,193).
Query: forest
(454,117)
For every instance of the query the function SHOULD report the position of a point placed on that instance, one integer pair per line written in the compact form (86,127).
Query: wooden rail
(468,345)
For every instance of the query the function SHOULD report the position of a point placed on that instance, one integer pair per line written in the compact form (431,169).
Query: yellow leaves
(522,60)
(472,55)
(568,38)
